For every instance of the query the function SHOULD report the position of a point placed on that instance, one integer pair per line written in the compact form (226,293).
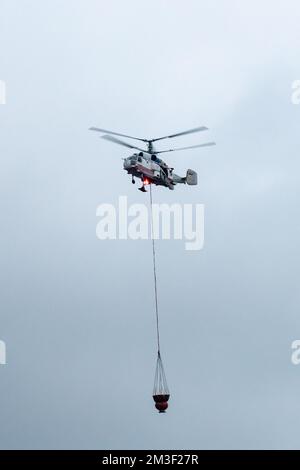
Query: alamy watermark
(2,353)
(170,221)
(2,92)
(295,357)
(295,96)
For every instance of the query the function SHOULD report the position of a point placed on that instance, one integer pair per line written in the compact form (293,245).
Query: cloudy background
(77,314)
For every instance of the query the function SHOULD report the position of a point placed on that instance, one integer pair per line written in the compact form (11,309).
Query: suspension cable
(154,272)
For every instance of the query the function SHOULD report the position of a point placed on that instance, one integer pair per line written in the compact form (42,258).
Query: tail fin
(191,177)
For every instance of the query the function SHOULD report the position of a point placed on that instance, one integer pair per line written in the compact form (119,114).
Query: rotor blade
(97,129)
(208,144)
(120,142)
(191,131)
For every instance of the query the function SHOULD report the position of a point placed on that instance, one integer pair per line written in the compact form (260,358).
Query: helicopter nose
(126,163)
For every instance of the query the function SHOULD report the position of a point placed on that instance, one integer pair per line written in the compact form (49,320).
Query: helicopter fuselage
(150,169)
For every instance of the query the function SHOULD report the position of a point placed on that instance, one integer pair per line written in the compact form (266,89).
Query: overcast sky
(77,313)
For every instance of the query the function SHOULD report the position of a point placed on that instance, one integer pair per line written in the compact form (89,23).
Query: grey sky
(77,314)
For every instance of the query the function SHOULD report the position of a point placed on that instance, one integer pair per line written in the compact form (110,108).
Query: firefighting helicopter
(146,166)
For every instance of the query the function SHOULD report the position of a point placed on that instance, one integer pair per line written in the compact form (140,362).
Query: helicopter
(147,166)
